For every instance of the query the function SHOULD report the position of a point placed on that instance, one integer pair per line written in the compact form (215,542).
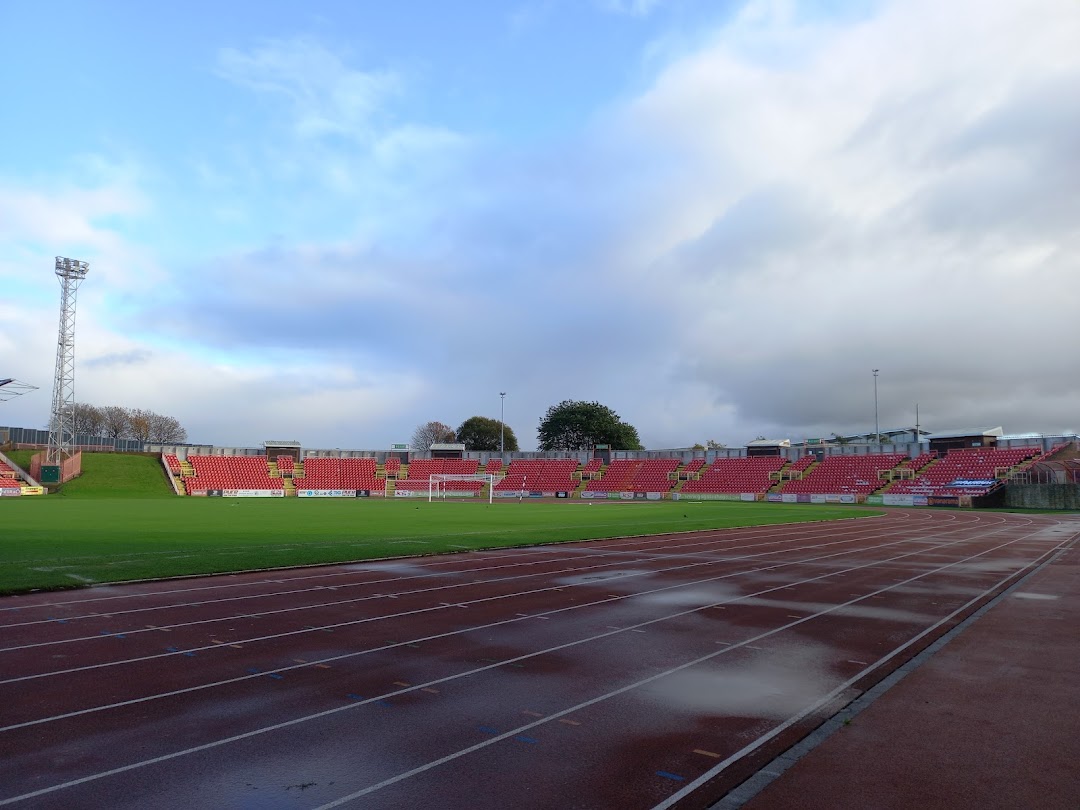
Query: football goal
(440,484)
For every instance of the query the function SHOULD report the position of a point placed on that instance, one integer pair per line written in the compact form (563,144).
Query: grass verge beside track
(57,542)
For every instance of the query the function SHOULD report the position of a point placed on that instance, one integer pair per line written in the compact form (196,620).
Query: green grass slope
(110,475)
(86,538)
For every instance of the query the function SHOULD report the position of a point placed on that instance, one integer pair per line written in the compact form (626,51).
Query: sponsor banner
(877,500)
(774,497)
(8,492)
(918,500)
(942,500)
(626,496)
(832,499)
(562,494)
(33,490)
(362,493)
(748,496)
(549,494)
(653,496)
(536,494)
(324,493)
(847,499)
(716,496)
(789,497)
(639,496)
(254,493)
(973,483)
(676,496)
(815,498)
(593,494)
(898,500)
(802,497)
(403,493)
(506,493)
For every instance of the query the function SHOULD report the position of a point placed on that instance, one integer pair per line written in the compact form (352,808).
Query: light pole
(502,422)
(877,432)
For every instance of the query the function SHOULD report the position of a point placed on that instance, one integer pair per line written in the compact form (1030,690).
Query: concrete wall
(1043,496)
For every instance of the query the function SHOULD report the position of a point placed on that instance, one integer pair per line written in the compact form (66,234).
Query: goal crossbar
(437,483)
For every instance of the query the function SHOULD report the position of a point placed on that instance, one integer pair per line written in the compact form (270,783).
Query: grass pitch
(77,539)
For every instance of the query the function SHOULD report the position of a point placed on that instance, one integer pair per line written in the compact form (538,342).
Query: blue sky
(337,222)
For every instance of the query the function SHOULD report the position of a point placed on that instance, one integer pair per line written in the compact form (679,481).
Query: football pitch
(53,542)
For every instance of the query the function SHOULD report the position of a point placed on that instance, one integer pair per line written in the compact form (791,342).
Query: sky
(334,221)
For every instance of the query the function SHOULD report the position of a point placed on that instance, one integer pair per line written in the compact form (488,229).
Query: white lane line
(629,687)
(720,767)
(355,622)
(323,661)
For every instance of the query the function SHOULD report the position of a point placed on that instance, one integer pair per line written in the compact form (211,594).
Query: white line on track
(550,717)
(629,687)
(520,617)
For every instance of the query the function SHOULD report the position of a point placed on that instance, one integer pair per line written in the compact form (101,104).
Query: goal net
(442,484)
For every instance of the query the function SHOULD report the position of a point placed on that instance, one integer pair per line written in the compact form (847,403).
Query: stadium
(228,582)
(392,628)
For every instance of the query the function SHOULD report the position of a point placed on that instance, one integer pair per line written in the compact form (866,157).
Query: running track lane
(613,674)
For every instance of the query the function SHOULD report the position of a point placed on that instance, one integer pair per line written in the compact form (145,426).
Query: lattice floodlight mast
(71,273)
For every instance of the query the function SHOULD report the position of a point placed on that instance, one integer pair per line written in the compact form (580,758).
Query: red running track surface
(647,672)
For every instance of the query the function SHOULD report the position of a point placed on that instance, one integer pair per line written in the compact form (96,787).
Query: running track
(647,672)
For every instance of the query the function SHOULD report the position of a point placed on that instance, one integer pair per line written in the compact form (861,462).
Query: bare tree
(115,421)
(431,433)
(86,420)
(166,429)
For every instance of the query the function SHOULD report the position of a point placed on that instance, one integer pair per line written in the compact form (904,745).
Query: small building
(943,441)
(447,450)
(290,448)
(767,447)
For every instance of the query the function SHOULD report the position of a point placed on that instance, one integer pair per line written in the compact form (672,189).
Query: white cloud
(832,201)
(633,8)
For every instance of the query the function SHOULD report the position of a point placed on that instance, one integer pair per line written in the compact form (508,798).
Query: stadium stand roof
(285,443)
(964,433)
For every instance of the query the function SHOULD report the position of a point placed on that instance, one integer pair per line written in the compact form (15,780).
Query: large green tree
(583,425)
(482,433)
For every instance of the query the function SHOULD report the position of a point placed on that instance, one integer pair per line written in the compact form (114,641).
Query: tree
(115,421)
(166,429)
(583,425)
(482,433)
(710,444)
(431,433)
(86,420)
(139,424)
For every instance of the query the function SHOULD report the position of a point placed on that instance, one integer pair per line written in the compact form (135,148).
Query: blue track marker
(524,739)
(254,670)
(488,729)
(351,696)
(386,704)
(171,649)
(669,775)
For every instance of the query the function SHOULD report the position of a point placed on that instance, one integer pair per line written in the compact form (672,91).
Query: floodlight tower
(71,273)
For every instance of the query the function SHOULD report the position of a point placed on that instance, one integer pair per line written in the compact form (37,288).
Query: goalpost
(437,484)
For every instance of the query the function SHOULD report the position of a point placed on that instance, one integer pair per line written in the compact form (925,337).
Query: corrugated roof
(283,443)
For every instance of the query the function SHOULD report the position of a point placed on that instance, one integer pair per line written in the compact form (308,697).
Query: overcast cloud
(346,242)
